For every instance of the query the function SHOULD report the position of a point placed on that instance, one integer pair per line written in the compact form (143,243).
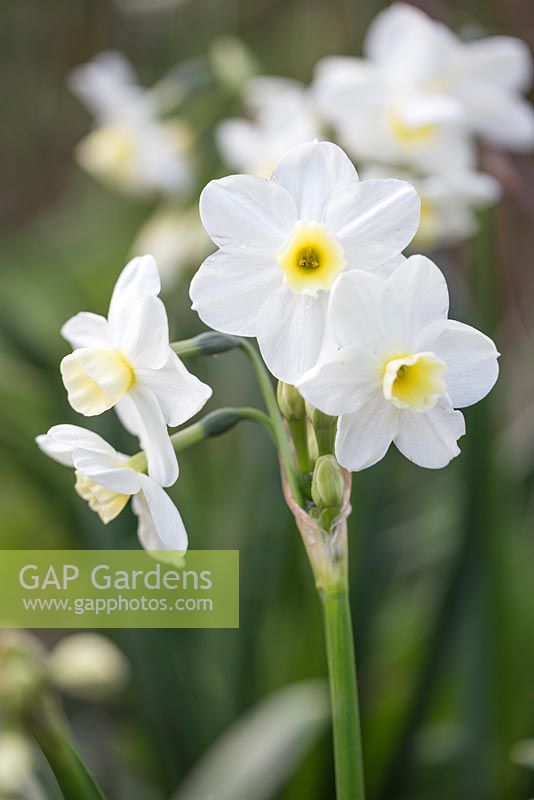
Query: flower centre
(96,379)
(109,152)
(308,259)
(313,259)
(414,381)
(105,502)
(409,135)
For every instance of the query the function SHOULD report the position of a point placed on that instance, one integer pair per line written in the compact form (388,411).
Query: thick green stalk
(344,694)
(51,734)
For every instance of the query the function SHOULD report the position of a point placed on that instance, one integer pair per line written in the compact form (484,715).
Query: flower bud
(232,62)
(328,484)
(88,665)
(23,674)
(290,402)
(206,344)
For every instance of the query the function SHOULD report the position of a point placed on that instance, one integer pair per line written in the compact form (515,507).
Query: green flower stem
(50,732)
(343,690)
(216,423)
(269,398)
(299,433)
(212,343)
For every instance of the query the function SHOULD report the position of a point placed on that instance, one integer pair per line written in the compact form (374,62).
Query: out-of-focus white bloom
(378,120)
(17,768)
(448,203)
(486,77)
(130,148)
(138,158)
(108,479)
(401,368)
(177,241)
(282,116)
(480,82)
(89,665)
(107,85)
(125,362)
(284,242)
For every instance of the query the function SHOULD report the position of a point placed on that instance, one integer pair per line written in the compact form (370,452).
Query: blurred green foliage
(441,563)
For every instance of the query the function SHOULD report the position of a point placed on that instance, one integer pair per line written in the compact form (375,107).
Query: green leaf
(257,754)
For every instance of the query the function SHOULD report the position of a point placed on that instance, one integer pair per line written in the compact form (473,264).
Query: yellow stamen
(313,259)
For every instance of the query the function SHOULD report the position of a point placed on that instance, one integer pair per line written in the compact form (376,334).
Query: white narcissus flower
(448,203)
(108,87)
(282,117)
(377,120)
(485,78)
(402,368)
(130,148)
(108,479)
(125,361)
(283,244)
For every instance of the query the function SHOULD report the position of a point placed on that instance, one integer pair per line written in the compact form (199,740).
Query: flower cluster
(412,106)
(310,263)
(125,362)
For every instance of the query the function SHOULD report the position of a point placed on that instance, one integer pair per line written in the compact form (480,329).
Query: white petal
(106,470)
(355,301)
(500,117)
(415,296)
(472,366)
(87,330)
(290,332)
(374,220)
(180,394)
(313,174)
(502,61)
(128,415)
(409,45)
(421,108)
(430,439)
(161,458)
(342,384)
(237,141)
(144,340)
(230,288)
(160,524)
(363,438)
(62,440)
(388,267)
(139,278)
(243,210)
